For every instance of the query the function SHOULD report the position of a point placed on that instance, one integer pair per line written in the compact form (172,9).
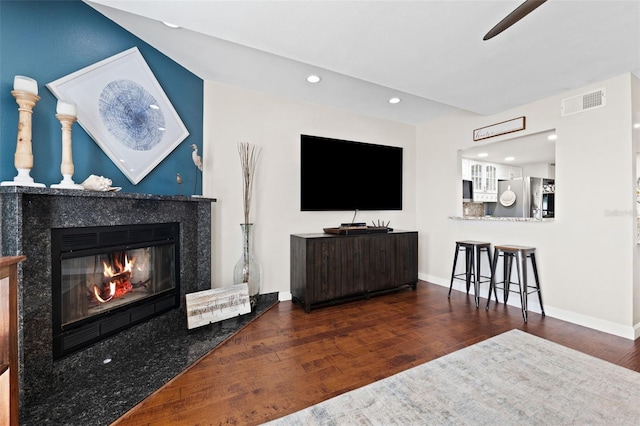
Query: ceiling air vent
(583,102)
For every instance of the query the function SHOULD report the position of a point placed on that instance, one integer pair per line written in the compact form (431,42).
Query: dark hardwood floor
(287,360)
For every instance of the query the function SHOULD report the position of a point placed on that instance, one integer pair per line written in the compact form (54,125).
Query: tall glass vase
(247,269)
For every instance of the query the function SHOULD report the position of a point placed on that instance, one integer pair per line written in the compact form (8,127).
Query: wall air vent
(583,102)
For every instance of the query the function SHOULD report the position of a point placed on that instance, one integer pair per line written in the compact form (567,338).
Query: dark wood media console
(327,269)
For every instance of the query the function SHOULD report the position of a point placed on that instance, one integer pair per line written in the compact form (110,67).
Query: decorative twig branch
(249,155)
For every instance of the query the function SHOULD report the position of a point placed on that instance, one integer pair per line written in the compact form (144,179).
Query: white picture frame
(121,105)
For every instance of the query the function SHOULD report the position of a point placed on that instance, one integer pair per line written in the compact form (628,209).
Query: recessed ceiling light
(509,158)
(483,154)
(394,100)
(552,137)
(170,25)
(314,78)
(636,126)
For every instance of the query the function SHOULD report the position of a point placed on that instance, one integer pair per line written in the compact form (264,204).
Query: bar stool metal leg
(521,265)
(506,270)
(535,274)
(453,272)
(475,260)
(506,274)
(470,274)
(492,285)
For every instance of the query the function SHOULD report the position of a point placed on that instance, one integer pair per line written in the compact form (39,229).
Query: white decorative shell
(97,183)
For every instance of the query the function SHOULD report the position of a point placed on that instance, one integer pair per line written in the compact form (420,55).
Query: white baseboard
(284,295)
(628,332)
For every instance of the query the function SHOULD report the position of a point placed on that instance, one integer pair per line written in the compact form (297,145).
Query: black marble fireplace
(32,218)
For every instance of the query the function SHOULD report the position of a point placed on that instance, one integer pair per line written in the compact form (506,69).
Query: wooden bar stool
(472,250)
(521,254)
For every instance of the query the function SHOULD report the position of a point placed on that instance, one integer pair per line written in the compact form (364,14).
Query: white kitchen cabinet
(504,172)
(509,172)
(476,171)
(485,181)
(466,171)
(490,178)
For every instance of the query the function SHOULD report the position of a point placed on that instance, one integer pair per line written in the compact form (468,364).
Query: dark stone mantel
(99,194)
(45,208)
(28,215)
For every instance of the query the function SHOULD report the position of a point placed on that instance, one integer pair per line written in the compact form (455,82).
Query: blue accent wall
(47,40)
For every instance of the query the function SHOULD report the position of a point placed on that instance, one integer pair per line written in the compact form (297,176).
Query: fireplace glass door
(107,279)
(95,283)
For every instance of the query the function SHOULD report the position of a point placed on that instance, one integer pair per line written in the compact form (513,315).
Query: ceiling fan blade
(520,12)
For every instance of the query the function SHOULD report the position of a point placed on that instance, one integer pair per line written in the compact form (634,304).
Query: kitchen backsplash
(470,209)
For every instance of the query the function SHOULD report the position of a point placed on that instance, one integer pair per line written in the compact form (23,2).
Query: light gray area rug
(511,379)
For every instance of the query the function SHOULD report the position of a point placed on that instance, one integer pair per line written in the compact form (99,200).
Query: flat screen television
(343,175)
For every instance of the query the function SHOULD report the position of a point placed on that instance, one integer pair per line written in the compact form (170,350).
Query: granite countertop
(102,194)
(501,219)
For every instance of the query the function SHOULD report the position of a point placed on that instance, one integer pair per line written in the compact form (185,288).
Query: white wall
(585,257)
(233,115)
(635,101)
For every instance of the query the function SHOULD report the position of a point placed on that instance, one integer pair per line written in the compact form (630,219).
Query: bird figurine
(197,160)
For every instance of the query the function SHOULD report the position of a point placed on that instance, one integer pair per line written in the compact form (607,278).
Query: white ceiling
(428,53)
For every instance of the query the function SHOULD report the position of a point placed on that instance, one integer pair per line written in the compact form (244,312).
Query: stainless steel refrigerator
(520,197)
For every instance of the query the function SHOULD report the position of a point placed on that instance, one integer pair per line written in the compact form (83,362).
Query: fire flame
(119,276)
(112,292)
(127,267)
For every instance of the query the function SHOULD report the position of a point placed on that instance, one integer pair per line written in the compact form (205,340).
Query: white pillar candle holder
(66,114)
(66,167)
(23,158)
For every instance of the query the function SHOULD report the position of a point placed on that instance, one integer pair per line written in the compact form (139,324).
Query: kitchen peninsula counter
(501,219)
